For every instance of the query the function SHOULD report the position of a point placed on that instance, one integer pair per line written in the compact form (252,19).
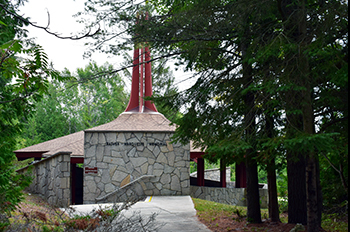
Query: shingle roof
(73,143)
(135,122)
(196,149)
(139,122)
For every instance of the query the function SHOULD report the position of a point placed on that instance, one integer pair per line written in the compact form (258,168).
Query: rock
(297,227)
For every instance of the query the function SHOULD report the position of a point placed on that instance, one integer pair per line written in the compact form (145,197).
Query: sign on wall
(89,170)
(135,144)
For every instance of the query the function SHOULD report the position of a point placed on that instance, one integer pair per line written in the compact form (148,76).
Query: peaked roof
(126,122)
(73,143)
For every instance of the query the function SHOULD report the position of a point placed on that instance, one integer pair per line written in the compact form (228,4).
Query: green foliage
(334,179)
(24,74)
(163,86)
(91,97)
(282,183)
(102,97)
(282,191)
(11,191)
(193,167)
(335,222)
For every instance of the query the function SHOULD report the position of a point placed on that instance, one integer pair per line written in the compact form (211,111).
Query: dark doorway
(77,184)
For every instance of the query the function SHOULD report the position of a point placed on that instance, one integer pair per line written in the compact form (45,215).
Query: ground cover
(220,217)
(34,214)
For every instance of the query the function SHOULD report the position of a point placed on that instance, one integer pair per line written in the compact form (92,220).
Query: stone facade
(51,179)
(134,190)
(229,196)
(148,161)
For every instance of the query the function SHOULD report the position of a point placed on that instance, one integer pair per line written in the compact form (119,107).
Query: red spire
(141,83)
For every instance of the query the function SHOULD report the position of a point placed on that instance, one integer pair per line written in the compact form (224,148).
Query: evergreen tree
(229,44)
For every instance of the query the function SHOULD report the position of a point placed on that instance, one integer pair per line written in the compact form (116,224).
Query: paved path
(177,213)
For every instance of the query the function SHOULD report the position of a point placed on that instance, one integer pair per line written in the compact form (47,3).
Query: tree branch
(132,65)
(325,126)
(88,34)
(18,98)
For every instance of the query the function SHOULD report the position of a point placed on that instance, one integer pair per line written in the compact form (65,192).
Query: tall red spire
(141,82)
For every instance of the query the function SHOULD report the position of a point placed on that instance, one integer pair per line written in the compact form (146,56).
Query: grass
(210,211)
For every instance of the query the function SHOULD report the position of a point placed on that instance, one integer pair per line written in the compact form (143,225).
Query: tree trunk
(253,199)
(319,193)
(272,190)
(294,14)
(297,210)
(312,194)
(313,190)
(312,175)
(271,173)
(296,163)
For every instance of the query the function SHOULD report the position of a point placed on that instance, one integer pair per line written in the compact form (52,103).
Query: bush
(115,218)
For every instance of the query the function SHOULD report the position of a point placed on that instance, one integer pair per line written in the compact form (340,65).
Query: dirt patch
(228,224)
(236,223)
(34,212)
(34,203)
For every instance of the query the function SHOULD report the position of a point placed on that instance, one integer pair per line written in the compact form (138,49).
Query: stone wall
(214,174)
(229,196)
(51,179)
(115,159)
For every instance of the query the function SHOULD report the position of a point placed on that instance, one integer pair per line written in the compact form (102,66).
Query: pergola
(197,155)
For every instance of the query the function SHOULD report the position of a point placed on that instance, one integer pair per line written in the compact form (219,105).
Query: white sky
(63,53)
(69,53)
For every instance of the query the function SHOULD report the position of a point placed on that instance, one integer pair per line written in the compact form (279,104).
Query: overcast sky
(68,53)
(63,53)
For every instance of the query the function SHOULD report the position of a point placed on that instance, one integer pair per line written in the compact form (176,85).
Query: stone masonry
(51,179)
(145,160)
(229,196)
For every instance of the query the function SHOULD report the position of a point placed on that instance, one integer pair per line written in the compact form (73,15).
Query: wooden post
(222,174)
(200,172)
(241,175)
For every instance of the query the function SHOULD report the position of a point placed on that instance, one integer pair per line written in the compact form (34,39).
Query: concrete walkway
(175,213)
